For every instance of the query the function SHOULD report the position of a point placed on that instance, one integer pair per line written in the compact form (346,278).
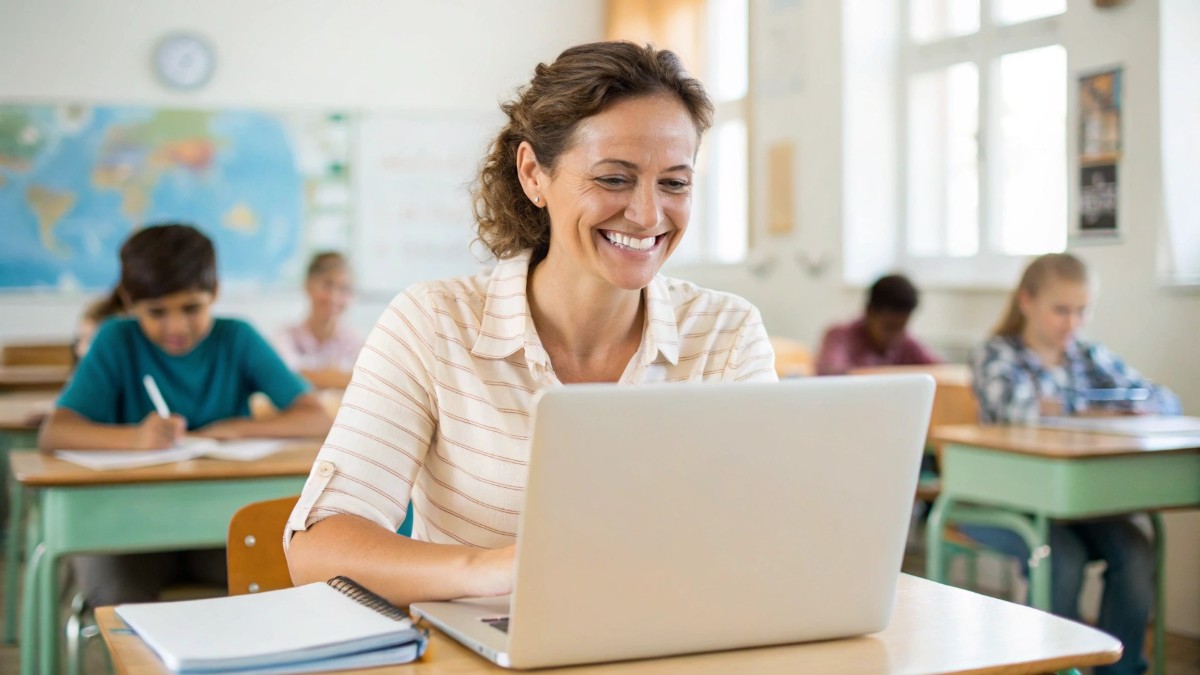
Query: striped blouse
(438,409)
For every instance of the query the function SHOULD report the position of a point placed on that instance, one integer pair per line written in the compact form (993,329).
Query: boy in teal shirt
(206,369)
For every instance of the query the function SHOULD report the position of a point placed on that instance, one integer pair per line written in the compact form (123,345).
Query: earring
(536,199)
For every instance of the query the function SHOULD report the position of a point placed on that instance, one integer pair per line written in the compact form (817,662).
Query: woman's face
(329,293)
(621,194)
(1056,313)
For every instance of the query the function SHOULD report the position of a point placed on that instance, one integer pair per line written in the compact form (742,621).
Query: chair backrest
(255,547)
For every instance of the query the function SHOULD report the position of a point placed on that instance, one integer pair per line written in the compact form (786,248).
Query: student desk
(168,507)
(934,628)
(1020,478)
(13,378)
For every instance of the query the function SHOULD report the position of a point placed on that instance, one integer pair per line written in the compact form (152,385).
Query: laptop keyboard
(499,623)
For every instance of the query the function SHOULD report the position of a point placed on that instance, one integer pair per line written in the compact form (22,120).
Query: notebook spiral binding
(363,596)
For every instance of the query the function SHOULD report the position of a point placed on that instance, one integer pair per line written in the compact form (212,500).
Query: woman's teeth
(630,242)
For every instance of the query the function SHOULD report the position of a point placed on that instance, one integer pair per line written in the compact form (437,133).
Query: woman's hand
(493,571)
(158,433)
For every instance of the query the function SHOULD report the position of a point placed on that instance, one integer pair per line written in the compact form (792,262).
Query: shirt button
(324,468)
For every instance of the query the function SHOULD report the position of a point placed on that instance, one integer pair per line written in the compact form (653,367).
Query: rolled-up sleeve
(383,429)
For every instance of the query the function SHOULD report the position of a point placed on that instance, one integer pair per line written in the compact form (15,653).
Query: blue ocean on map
(75,181)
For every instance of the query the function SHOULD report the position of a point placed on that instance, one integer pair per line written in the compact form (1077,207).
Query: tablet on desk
(1116,394)
(1126,425)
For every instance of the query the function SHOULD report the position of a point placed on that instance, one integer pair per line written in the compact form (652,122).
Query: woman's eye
(614,181)
(676,185)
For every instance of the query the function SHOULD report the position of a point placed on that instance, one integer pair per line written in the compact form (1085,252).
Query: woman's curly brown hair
(582,81)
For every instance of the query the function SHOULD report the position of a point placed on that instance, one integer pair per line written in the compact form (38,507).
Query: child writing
(205,368)
(1035,364)
(323,348)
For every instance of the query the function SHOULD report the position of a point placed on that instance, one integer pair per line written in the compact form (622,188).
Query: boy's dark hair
(893,293)
(167,258)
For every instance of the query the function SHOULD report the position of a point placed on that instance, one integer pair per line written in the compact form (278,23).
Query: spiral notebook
(312,628)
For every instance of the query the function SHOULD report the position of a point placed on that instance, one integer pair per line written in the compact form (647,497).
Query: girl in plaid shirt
(1035,365)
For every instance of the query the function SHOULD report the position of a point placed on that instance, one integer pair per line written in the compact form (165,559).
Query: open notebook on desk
(246,450)
(312,628)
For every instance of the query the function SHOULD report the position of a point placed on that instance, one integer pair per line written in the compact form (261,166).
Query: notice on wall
(412,191)
(1099,154)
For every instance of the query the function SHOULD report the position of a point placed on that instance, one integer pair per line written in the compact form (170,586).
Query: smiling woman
(586,192)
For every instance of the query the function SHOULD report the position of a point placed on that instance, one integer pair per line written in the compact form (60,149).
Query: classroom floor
(1183,654)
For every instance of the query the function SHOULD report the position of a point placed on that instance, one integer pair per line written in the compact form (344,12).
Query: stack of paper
(189,448)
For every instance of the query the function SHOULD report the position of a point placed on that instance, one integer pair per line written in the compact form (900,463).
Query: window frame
(988,268)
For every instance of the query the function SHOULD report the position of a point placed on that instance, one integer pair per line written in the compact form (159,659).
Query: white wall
(1154,328)
(455,55)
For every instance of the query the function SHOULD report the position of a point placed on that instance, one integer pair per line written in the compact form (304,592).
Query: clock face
(184,61)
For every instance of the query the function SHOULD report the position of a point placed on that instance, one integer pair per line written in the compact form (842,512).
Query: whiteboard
(413,215)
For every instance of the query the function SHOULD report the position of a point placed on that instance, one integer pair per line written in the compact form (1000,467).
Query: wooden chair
(255,547)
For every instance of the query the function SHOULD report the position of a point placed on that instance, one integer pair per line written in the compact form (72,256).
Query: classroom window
(712,39)
(983,146)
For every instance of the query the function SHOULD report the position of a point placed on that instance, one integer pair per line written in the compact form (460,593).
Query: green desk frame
(1022,493)
(123,518)
(9,441)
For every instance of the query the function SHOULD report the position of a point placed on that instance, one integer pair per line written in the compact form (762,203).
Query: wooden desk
(1020,478)
(23,411)
(934,628)
(13,378)
(169,507)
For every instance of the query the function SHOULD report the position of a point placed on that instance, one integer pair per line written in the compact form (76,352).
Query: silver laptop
(672,519)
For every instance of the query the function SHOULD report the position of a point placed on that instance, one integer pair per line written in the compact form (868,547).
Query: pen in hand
(156,396)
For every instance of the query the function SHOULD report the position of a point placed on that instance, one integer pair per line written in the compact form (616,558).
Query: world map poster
(77,180)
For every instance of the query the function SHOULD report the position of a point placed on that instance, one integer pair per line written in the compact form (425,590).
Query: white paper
(247,450)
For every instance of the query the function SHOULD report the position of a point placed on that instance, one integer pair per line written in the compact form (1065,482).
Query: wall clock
(184,61)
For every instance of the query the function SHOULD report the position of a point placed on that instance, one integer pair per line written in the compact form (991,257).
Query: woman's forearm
(400,569)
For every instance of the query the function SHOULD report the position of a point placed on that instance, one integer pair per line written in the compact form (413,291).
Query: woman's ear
(530,173)
(126,301)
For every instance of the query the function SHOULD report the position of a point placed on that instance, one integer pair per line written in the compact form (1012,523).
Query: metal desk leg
(935,554)
(29,645)
(46,596)
(12,557)
(1040,561)
(1160,593)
